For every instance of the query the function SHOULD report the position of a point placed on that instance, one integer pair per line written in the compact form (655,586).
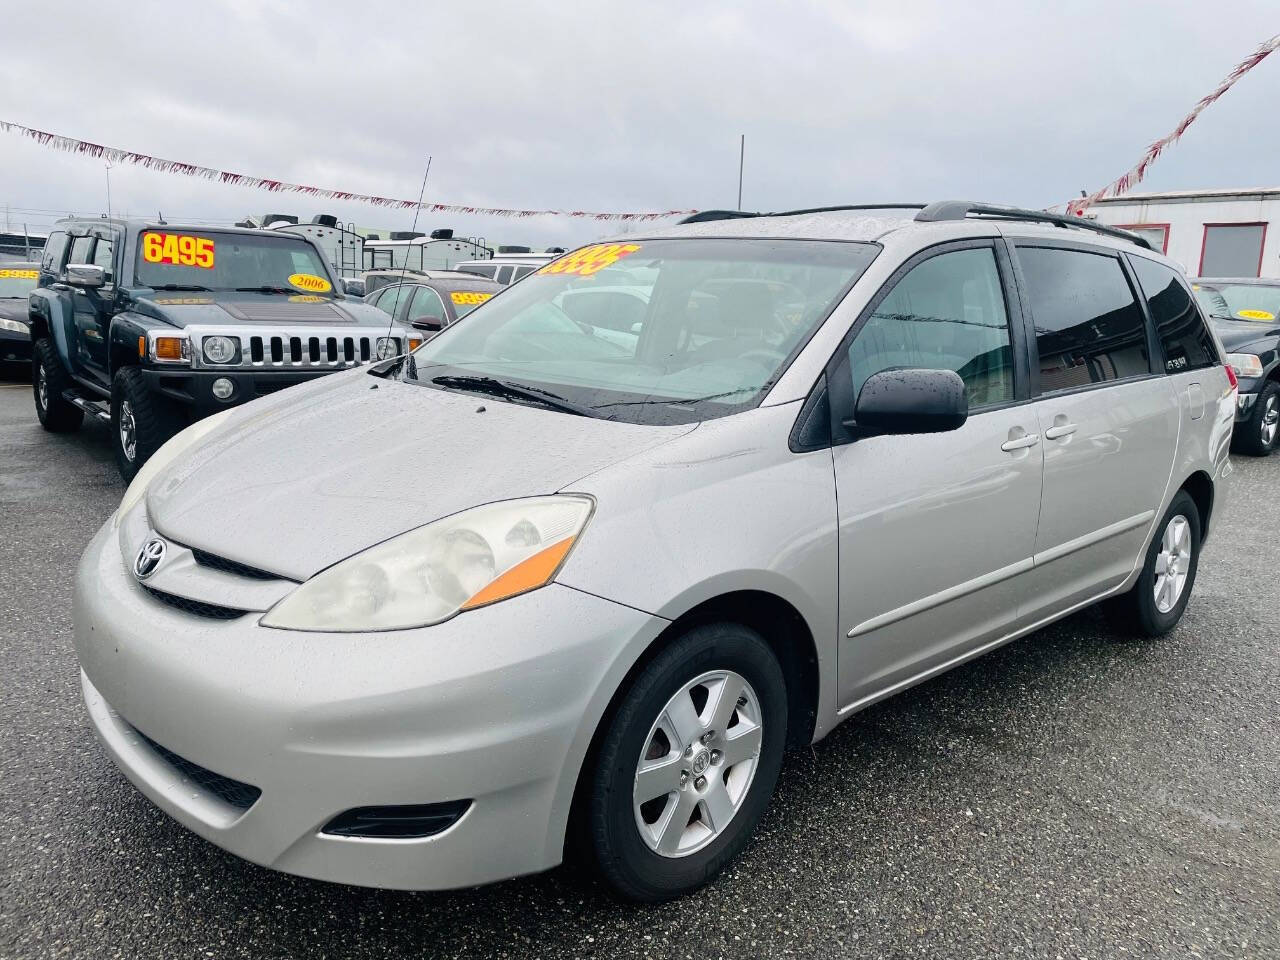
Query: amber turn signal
(168,348)
(524,576)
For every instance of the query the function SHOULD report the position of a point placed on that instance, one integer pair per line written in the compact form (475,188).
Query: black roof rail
(944,210)
(703,216)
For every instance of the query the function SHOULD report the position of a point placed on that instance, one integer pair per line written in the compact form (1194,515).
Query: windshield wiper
(519,391)
(680,401)
(265,288)
(182,286)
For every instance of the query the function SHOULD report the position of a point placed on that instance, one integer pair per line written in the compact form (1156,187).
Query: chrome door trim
(942,596)
(924,675)
(1097,536)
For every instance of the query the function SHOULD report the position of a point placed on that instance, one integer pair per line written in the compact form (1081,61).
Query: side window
(80,250)
(426,303)
(103,252)
(486,270)
(504,274)
(54,248)
(948,313)
(392,299)
(521,272)
(1089,328)
(1187,343)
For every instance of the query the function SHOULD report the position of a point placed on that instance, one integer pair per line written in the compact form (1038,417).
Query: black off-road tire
(1250,434)
(1135,612)
(49,380)
(154,418)
(622,857)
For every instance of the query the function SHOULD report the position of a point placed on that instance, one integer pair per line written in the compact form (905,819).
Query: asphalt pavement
(1071,795)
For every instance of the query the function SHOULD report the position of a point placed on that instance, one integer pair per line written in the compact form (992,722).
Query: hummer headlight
(388,347)
(220,349)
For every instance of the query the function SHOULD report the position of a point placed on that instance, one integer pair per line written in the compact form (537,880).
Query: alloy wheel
(697,763)
(1173,563)
(1270,420)
(128,431)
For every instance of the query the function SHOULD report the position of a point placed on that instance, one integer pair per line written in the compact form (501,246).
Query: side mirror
(910,400)
(428,323)
(86,275)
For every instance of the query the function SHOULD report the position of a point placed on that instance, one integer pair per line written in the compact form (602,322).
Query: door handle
(1021,443)
(1060,430)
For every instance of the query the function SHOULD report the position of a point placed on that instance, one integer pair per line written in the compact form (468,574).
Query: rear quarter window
(1185,341)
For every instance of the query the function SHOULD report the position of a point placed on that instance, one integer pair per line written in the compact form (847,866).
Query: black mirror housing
(910,400)
(428,323)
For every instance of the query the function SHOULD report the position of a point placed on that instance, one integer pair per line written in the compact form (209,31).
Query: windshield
(1239,301)
(17,282)
(657,331)
(210,260)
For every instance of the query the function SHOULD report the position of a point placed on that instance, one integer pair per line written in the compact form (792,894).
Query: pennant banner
(1135,175)
(118,156)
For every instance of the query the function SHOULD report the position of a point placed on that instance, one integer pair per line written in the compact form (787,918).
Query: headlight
(17,326)
(1245,364)
(473,558)
(220,349)
(162,458)
(388,347)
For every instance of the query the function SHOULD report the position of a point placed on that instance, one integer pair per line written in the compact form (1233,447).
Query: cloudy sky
(639,106)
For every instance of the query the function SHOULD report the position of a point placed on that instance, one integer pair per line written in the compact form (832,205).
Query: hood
(1238,333)
(182,308)
(305,478)
(13,308)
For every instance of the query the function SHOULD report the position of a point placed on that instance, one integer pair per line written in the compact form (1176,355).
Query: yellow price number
(591,259)
(9,274)
(466,298)
(178,249)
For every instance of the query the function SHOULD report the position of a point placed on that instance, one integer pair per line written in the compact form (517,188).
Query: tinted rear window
(1089,327)
(1184,339)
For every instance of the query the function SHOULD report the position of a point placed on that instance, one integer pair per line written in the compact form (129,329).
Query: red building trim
(1237,223)
(1164,227)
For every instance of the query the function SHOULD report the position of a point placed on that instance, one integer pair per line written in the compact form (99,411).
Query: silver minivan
(827,456)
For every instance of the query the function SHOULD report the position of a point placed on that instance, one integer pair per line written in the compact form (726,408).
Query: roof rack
(704,216)
(943,210)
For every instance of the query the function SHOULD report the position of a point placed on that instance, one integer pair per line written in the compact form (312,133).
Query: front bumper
(1245,402)
(496,706)
(194,388)
(15,347)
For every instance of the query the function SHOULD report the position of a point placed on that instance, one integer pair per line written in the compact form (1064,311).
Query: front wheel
(140,421)
(688,763)
(1154,605)
(1256,435)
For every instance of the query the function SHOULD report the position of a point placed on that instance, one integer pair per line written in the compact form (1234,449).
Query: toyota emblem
(149,557)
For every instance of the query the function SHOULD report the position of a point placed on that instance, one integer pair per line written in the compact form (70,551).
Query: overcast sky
(637,106)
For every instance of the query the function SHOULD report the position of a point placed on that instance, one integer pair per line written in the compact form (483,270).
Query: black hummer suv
(151,326)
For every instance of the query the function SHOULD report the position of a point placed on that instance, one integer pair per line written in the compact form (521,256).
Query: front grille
(197,608)
(299,348)
(230,566)
(242,796)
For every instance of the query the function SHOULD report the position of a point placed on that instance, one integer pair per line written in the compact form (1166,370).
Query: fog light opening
(223,388)
(405,822)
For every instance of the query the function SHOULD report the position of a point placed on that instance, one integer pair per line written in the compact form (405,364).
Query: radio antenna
(404,267)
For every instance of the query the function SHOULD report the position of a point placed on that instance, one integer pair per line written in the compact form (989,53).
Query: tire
(138,415)
(723,655)
(1258,434)
(1137,612)
(49,381)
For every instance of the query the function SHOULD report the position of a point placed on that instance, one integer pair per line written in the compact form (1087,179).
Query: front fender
(52,314)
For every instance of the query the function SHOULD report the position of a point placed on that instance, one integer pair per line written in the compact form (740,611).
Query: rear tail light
(1231,377)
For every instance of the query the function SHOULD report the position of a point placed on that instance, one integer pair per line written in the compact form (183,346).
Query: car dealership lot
(1071,794)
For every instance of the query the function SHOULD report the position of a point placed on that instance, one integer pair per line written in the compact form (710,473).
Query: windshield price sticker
(1255,314)
(591,259)
(178,249)
(465,298)
(310,282)
(7,274)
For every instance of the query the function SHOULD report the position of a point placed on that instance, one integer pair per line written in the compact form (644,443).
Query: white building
(1212,233)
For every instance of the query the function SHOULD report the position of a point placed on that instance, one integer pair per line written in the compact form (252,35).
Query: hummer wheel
(48,383)
(140,421)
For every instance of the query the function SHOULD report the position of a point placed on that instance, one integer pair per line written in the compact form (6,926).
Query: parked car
(375,280)
(1245,314)
(506,268)
(352,287)
(638,571)
(150,326)
(17,280)
(429,305)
